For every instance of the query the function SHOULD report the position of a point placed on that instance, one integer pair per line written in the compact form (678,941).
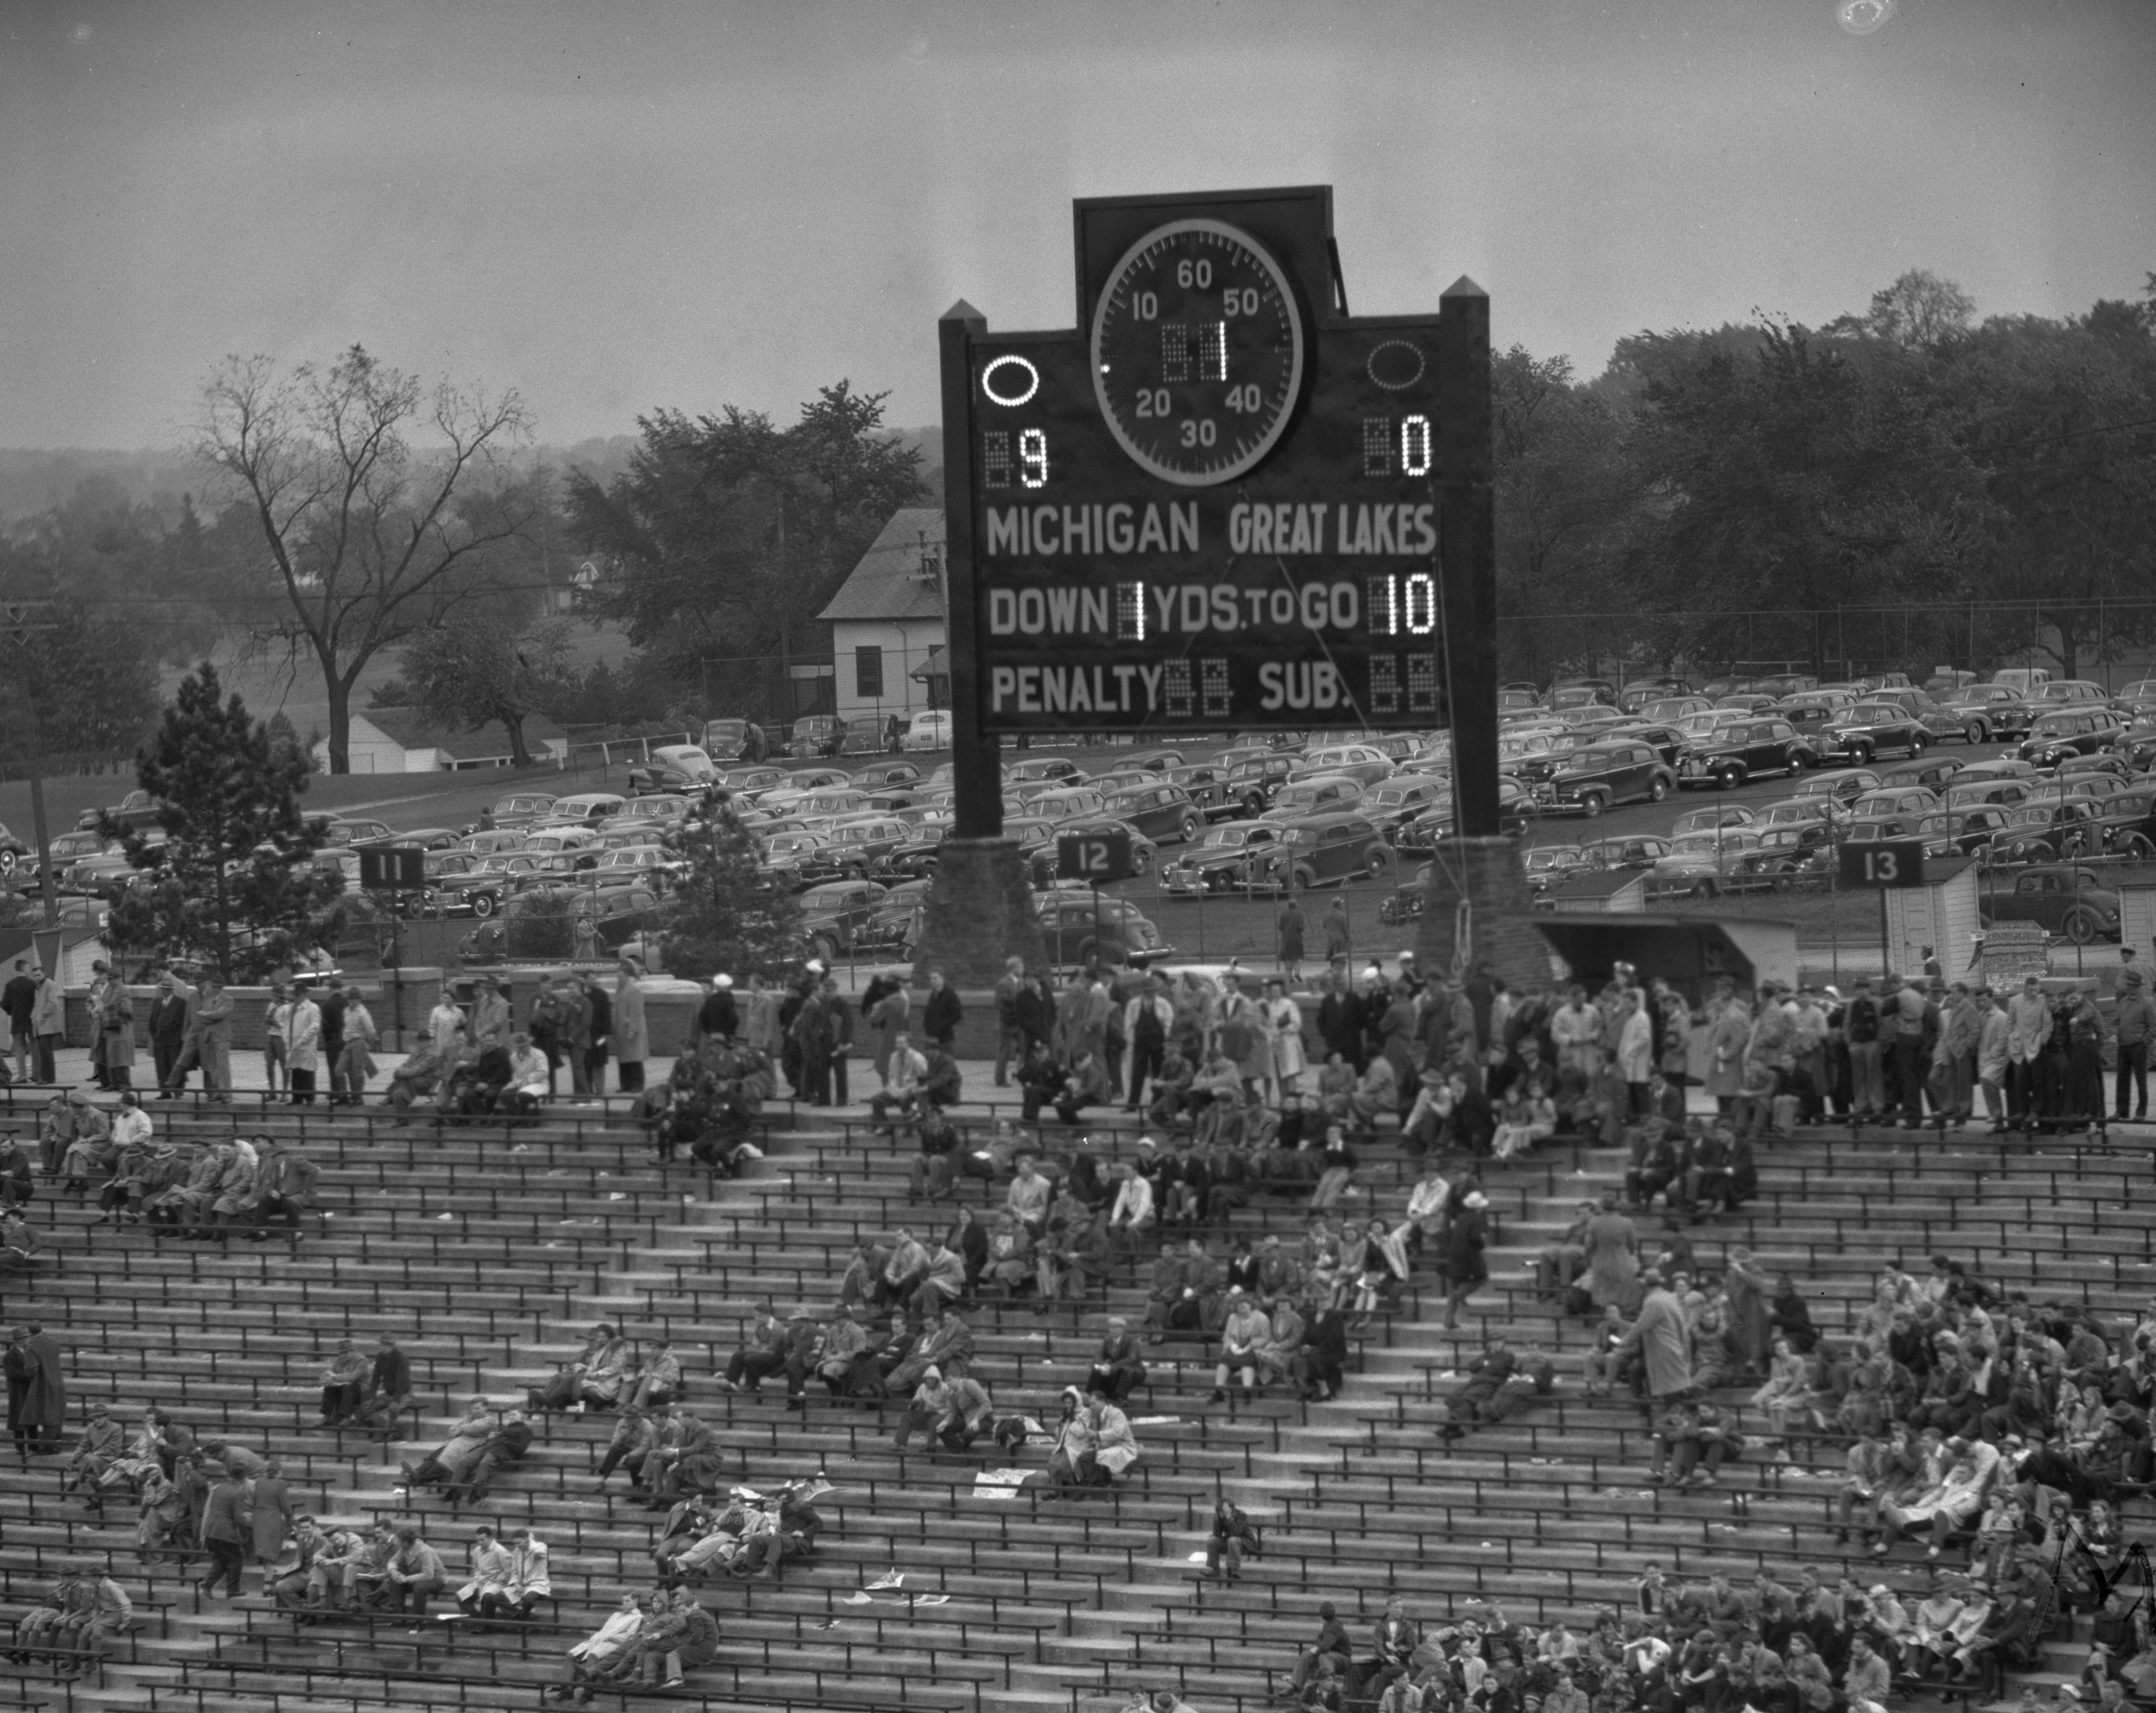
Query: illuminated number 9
(1033,457)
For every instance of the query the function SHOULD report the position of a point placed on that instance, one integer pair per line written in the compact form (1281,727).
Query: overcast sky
(613,207)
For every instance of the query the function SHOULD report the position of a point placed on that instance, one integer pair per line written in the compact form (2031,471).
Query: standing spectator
(303,1046)
(37,1390)
(226,1527)
(2028,1028)
(353,1062)
(2136,1023)
(276,1019)
(490,1022)
(598,1009)
(211,1028)
(812,1036)
(1010,1041)
(18,1003)
(114,1013)
(48,1022)
(1289,927)
(718,1018)
(332,1006)
(1338,943)
(887,1009)
(443,1022)
(273,1517)
(167,1027)
(573,1032)
(1636,1049)
(2084,1033)
(632,1038)
(1147,1019)
(1992,1057)
(1954,1059)
(840,1011)
(941,1017)
(1661,1340)
(1859,1029)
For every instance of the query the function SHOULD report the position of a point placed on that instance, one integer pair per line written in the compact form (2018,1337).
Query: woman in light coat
(303,1049)
(631,1035)
(1636,1050)
(1284,1019)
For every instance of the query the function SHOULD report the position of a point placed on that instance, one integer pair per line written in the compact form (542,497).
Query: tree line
(1729,492)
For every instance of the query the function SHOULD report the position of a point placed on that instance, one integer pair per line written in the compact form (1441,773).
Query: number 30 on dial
(1197,351)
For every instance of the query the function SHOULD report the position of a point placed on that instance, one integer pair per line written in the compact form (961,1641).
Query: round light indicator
(1395,365)
(1010,381)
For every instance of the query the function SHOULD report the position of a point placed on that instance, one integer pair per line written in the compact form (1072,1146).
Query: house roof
(888,582)
(411,730)
(937,663)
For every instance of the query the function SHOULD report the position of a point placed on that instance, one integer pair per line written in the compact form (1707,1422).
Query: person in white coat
(47,1023)
(1636,1050)
(303,1047)
(591,1658)
(1993,1031)
(632,1035)
(1284,1024)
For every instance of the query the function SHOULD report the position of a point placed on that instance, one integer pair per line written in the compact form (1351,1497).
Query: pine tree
(728,915)
(231,884)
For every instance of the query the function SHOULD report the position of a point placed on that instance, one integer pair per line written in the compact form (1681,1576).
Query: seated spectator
(591,1659)
(763,1351)
(1232,1534)
(489,1563)
(934,1165)
(1085,1084)
(688,1640)
(1118,1369)
(505,1448)
(99,1446)
(1029,1195)
(686,1457)
(450,1464)
(1247,1330)
(1010,1255)
(1093,1444)
(528,1082)
(412,1575)
(424,1075)
(1132,1212)
(953,1412)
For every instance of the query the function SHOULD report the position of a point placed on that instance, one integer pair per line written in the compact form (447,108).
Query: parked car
(1309,796)
(1897,800)
(1351,761)
(1221,860)
(2077,729)
(2045,831)
(1324,850)
(1786,860)
(1161,810)
(520,808)
(1549,866)
(750,783)
(1699,864)
(2076,691)
(1056,768)
(672,767)
(1084,927)
(735,741)
(1706,820)
(1744,750)
(2066,898)
(868,735)
(832,913)
(589,806)
(1604,775)
(1871,729)
(1667,710)
(1145,853)
(1970,832)
(1965,794)
(814,735)
(927,731)
(338,832)
(138,808)
(12,852)
(481,889)
(1393,803)
(1934,773)
(1989,711)
(1206,786)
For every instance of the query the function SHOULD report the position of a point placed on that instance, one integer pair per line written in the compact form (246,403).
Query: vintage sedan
(1988,711)
(1549,866)
(2077,729)
(1603,775)
(1086,927)
(1351,761)
(1871,729)
(1393,803)
(672,766)
(1786,860)
(830,915)
(1324,850)
(1221,859)
(1699,864)
(1206,785)
(2065,897)
(1300,798)
(1744,750)
(1159,810)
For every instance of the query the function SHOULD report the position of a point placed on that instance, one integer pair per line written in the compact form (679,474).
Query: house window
(868,671)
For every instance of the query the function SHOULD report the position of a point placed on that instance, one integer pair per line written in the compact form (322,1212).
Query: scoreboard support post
(979,910)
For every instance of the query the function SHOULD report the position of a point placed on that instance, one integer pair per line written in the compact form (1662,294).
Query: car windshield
(1550,858)
(1873,713)
(1706,843)
(1221,837)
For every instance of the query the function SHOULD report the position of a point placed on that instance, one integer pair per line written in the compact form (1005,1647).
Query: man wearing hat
(2135,1022)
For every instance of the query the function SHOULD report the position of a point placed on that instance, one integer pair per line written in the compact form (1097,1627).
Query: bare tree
(371,538)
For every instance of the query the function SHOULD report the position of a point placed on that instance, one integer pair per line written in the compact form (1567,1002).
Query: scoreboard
(1216,502)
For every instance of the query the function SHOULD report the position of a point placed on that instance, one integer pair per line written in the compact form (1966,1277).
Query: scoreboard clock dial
(1197,353)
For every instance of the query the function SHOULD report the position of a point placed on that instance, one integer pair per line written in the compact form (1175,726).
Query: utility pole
(20,621)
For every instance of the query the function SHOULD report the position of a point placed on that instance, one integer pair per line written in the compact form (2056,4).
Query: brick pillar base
(980,911)
(1503,942)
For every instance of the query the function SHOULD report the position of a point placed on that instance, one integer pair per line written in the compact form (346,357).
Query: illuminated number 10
(1033,457)
(1414,446)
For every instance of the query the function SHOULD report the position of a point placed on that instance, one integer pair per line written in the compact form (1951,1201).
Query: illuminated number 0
(1147,306)
(1238,301)
(1153,401)
(1033,457)
(1246,398)
(1193,274)
(1201,433)
(1421,604)
(1414,446)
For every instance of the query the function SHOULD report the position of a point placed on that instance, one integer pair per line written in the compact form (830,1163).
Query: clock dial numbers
(1197,352)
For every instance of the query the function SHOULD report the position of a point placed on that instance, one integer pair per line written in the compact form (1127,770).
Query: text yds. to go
(1138,610)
